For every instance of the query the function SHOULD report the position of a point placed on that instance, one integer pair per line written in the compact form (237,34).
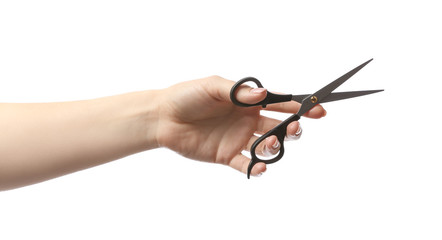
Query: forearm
(39,141)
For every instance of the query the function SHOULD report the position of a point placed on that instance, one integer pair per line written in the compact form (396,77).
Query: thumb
(220,88)
(248,95)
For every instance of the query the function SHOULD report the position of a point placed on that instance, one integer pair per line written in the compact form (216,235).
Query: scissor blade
(299,98)
(344,95)
(325,91)
(337,96)
(320,95)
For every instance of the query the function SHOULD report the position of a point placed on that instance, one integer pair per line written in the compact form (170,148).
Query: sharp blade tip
(375,91)
(367,62)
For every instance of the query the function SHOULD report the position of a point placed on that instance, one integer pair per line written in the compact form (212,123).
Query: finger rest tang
(280,132)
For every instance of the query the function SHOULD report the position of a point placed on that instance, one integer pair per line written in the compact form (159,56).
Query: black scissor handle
(280,132)
(270,98)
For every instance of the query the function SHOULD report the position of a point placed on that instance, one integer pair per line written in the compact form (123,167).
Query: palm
(202,127)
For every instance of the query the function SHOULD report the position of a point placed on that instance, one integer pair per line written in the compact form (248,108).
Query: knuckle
(215,78)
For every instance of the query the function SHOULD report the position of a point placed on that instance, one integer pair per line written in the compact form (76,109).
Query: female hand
(198,120)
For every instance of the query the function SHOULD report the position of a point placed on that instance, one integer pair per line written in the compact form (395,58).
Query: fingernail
(259,174)
(295,136)
(298,133)
(257,90)
(266,151)
(275,145)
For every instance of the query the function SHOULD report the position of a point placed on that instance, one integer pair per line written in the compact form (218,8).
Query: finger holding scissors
(308,101)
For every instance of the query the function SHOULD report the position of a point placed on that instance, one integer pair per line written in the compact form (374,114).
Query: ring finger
(270,146)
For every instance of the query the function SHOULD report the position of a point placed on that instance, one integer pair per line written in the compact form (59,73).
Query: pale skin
(40,141)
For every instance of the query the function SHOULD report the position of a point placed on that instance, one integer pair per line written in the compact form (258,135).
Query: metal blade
(337,96)
(310,101)
(299,98)
(344,95)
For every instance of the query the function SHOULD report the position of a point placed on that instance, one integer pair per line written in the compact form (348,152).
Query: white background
(370,170)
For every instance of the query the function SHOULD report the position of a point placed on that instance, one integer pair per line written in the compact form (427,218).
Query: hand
(198,120)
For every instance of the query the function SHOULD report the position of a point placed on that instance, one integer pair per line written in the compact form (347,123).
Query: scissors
(308,101)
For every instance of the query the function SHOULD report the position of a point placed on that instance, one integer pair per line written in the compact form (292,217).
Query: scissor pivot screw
(314,99)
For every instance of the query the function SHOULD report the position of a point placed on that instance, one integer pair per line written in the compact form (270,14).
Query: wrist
(142,118)
(132,119)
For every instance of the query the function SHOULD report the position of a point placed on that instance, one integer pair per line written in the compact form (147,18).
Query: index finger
(292,107)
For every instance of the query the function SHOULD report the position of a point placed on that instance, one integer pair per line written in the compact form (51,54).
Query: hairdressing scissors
(308,101)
